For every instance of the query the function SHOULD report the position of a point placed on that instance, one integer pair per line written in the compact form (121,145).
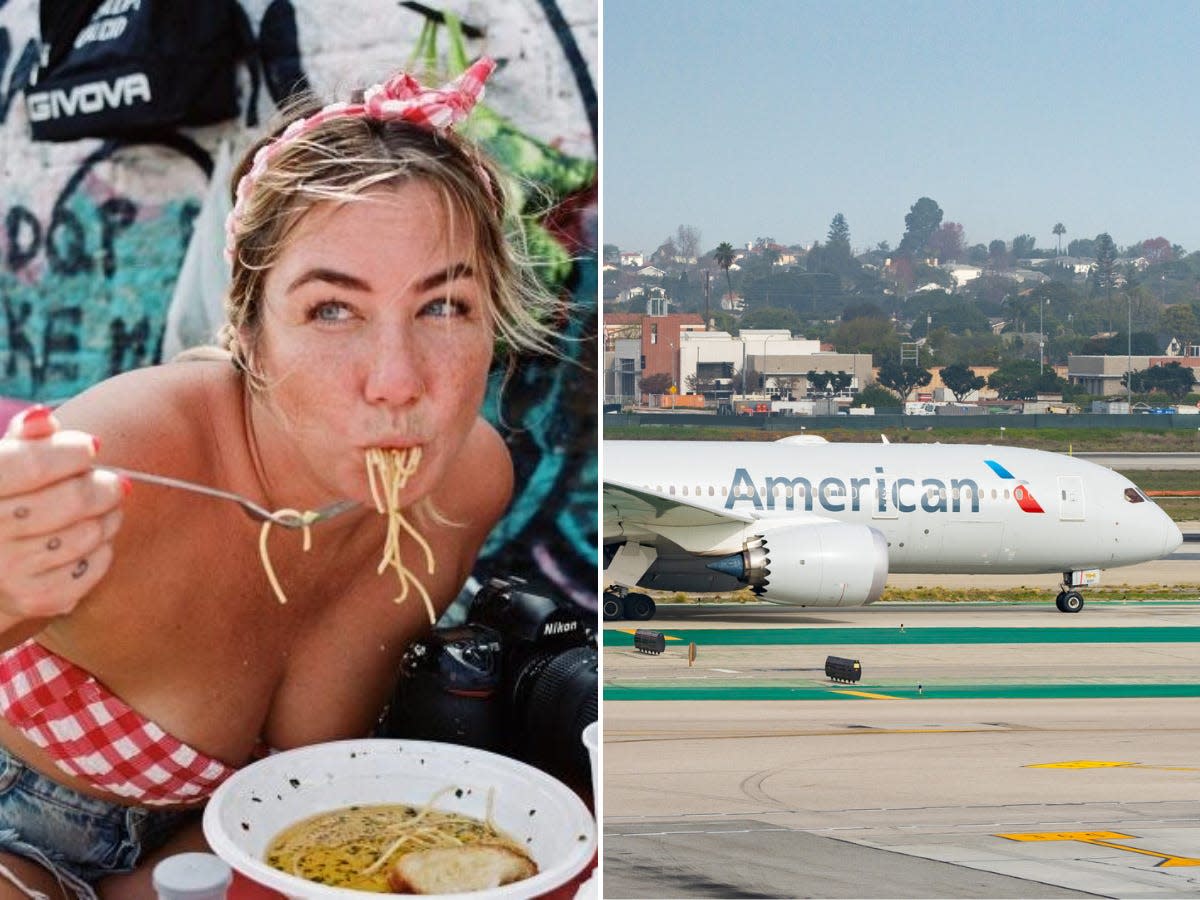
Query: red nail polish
(126,485)
(95,446)
(35,414)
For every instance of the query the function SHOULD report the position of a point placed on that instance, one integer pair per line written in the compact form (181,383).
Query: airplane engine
(828,564)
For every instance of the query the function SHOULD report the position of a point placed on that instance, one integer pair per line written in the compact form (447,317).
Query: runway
(988,750)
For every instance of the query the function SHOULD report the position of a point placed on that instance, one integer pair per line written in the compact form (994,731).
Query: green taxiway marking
(927,692)
(1051,634)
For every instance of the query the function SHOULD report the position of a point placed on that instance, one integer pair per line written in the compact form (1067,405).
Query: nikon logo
(89,98)
(553,628)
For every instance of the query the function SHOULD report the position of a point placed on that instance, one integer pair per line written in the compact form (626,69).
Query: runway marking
(825,636)
(1080,764)
(1103,764)
(666,637)
(1104,839)
(868,695)
(728,671)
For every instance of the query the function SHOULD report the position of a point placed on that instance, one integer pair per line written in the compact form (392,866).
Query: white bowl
(539,812)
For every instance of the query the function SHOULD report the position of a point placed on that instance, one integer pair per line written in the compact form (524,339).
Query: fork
(252,509)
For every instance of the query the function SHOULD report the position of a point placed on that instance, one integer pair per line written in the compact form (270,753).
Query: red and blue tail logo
(1021,493)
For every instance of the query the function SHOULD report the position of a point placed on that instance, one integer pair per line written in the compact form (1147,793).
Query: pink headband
(401,97)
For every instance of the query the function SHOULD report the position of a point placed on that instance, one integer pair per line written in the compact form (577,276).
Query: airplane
(805,522)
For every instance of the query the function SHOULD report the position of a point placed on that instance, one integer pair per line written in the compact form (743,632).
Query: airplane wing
(635,505)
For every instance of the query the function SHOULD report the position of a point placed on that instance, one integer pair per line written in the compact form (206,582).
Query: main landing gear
(620,603)
(1069,601)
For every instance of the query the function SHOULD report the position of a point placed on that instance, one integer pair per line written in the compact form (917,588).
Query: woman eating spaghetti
(145,653)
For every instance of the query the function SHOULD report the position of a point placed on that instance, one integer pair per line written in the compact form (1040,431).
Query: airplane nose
(1172,538)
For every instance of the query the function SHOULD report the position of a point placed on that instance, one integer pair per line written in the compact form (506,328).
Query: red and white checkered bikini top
(92,734)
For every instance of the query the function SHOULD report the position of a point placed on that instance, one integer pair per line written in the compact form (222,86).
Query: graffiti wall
(95,232)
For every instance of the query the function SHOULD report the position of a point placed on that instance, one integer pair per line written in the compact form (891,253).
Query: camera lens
(555,697)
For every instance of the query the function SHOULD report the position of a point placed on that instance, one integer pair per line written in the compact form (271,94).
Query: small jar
(192,876)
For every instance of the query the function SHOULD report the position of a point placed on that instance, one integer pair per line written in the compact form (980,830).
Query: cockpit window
(1133,495)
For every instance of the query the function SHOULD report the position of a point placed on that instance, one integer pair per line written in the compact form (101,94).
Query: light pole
(1129,354)
(743,337)
(1041,337)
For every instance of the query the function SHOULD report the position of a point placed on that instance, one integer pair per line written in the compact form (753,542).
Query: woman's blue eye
(445,307)
(329,311)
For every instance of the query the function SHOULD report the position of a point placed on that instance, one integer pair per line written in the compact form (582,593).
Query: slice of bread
(454,870)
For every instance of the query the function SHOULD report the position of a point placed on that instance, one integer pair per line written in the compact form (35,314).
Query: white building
(773,356)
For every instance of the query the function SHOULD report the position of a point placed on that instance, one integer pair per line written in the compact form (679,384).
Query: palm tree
(1059,230)
(723,256)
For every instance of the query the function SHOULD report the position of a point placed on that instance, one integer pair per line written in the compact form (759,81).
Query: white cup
(591,740)
(192,876)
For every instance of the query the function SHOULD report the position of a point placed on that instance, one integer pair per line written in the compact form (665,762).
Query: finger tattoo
(80,568)
(54,543)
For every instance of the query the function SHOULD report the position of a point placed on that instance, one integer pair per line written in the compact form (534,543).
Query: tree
(687,240)
(867,335)
(1023,246)
(666,252)
(1180,322)
(723,256)
(1019,379)
(1173,379)
(961,381)
(657,383)
(948,242)
(772,317)
(839,233)
(922,221)
(1059,230)
(903,378)
(1157,250)
(818,382)
(1082,247)
(1104,275)
(612,254)
(836,257)
(876,397)
(998,258)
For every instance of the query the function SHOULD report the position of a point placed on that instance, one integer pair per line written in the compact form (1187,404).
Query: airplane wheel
(613,608)
(639,607)
(1058,601)
(1072,602)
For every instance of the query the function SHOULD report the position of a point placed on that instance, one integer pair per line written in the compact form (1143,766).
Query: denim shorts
(79,838)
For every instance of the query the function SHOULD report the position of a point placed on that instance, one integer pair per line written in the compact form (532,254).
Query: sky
(766,118)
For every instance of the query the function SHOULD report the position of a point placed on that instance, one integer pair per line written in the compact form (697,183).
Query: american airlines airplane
(805,522)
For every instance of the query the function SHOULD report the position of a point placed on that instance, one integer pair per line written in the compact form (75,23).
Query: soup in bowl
(519,819)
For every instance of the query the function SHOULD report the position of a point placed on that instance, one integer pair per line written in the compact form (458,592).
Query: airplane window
(1133,495)
(724,490)
(710,490)
(672,490)
(1006,493)
(942,493)
(685,490)
(993,493)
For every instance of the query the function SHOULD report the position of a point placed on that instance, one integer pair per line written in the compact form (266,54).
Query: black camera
(519,677)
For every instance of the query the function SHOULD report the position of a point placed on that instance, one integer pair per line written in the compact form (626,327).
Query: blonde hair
(341,160)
